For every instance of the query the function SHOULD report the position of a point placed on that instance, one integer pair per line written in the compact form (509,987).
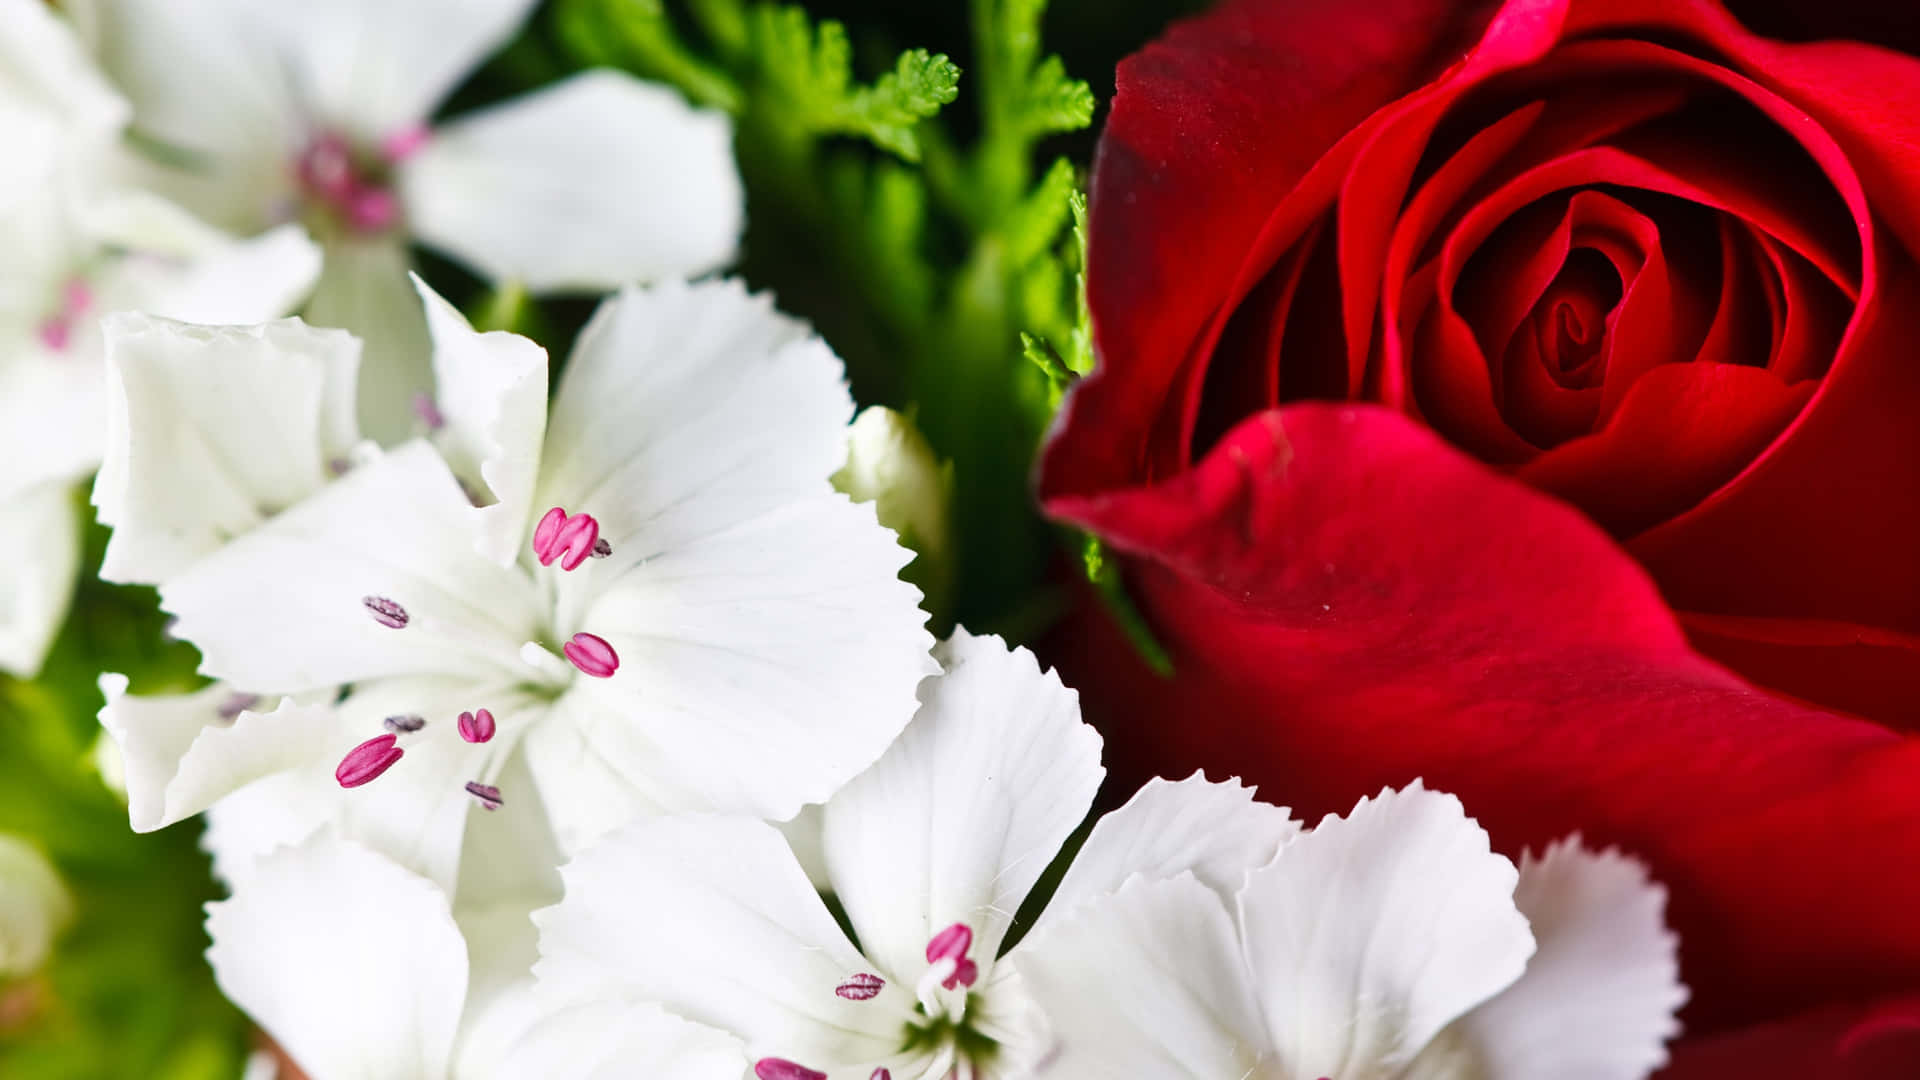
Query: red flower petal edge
(1351,603)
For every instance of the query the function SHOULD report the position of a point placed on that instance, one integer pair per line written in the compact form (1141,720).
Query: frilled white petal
(686,410)
(712,918)
(283,607)
(1217,832)
(1598,999)
(491,391)
(184,752)
(44,66)
(958,819)
(1372,932)
(225,282)
(211,91)
(212,429)
(375,67)
(39,560)
(617,1040)
(1148,984)
(364,287)
(595,182)
(759,670)
(350,962)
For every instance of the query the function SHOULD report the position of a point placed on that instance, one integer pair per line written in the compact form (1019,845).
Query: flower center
(353,189)
(939,1028)
(570,539)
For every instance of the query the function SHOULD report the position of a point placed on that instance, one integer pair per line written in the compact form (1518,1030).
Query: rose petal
(1182,185)
(1683,431)
(1351,604)
(1872,1041)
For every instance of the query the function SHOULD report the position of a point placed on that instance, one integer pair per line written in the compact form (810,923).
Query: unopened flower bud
(34,907)
(890,464)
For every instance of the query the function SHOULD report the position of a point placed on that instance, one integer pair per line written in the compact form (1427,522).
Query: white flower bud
(34,907)
(890,464)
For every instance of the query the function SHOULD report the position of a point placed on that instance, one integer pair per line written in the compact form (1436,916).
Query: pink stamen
(951,945)
(782,1069)
(236,704)
(591,654)
(56,333)
(76,298)
(861,987)
(477,726)
(881,1074)
(428,412)
(486,795)
(372,209)
(404,724)
(559,533)
(405,143)
(386,612)
(366,762)
(326,169)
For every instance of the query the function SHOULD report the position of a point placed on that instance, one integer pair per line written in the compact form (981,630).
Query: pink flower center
(355,188)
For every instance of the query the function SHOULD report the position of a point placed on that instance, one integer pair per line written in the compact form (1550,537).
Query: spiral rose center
(1571,321)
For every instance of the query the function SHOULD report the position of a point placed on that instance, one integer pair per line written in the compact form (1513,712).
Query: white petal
(364,287)
(212,429)
(1599,997)
(203,85)
(44,66)
(511,855)
(595,182)
(228,282)
(281,608)
(39,560)
(958,819)
(492,391)
(183,754)
(617,1040)
(1147,983)
(350,962)
(712,918)
(53,412)
(375,67)
(686,410)
(1218,832)
(1371,933)
(759,670)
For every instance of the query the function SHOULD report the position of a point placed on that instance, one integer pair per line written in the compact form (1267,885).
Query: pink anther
(782,1069)
(592,655)
(559,533)
(366,762)
(477,726)
(861,987)
(951,945)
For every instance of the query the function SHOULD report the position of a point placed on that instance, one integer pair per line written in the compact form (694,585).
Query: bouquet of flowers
(718,539)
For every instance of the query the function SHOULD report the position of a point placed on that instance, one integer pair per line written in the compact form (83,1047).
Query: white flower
(34,907)
(713,628)
(931,852)
(320,112)
(1388,944)
(78,245)
(360,968)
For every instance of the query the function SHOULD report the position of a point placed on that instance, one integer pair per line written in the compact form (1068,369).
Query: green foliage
(922,255)
(127,992)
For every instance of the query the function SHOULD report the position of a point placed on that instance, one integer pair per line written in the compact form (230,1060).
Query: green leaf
(888,111)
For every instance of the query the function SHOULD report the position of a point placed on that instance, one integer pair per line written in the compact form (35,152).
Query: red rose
(1618,254)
